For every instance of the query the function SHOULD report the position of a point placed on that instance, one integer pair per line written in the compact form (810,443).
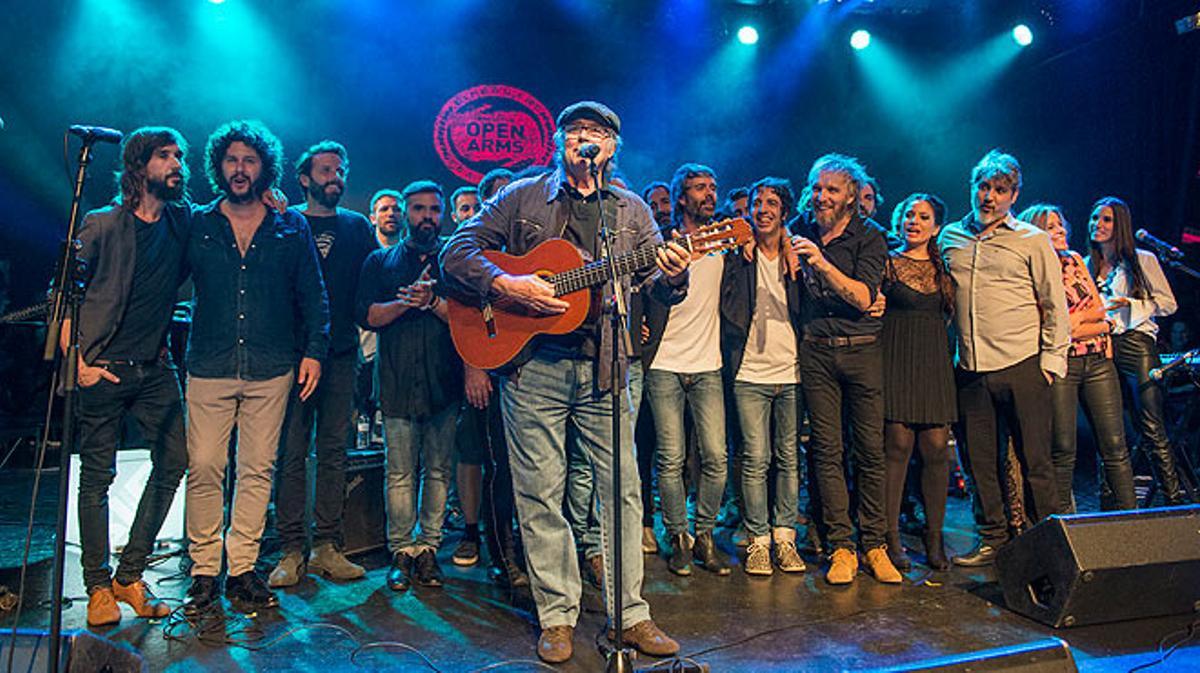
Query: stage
(737,623)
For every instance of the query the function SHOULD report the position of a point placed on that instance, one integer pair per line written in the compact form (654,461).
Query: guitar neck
(596,273)
(35,311)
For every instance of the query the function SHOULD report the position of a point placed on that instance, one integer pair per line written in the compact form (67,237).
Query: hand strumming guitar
(532,291)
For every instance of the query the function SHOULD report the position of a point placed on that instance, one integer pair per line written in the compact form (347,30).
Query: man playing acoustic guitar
(566,379)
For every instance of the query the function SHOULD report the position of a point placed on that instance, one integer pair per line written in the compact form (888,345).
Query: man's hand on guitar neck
(672,259)
(531,291)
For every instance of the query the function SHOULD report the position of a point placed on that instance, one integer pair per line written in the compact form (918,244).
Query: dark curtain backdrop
(1104,102)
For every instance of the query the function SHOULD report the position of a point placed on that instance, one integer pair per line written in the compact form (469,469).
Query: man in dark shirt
(464,204)
(385,217)
(569,381)
(493,181)
(134,249)
(657,195)
(471,442)
(260,308)
(420,384)
(343,239)
(842,258)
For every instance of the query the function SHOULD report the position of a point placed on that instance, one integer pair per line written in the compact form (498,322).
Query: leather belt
(130,363)
(842,341)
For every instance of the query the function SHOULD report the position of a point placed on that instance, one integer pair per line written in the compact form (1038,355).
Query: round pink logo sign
(492,126)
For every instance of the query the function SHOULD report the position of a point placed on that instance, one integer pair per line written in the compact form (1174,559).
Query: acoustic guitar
(488,334)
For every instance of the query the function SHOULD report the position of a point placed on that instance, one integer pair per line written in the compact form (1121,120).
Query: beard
(321,194)
(253,194)
(701,212)
(990,217)
(425,233)
(163,191)
(828,217)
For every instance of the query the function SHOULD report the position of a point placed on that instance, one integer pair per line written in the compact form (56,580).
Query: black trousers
(485,428)
(1135,354)
(329,411)
(1015,400)
(1091,381)
(150,392)
(853,375)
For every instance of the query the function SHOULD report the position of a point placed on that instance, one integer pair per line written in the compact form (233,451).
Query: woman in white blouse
(1136,292)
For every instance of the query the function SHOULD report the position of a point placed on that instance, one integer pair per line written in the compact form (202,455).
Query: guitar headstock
(720,236)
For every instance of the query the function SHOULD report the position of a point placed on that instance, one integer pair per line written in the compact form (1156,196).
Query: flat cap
(589,109)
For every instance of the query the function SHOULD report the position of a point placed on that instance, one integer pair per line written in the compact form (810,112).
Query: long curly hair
(254,135)
(136,151)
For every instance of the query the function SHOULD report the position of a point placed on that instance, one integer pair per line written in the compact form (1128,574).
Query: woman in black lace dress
(919,394)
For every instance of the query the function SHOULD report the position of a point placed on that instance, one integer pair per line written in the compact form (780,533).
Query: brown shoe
(881,566)
(556,644)
(139,597)
(648,639)
(844,567)
(102,608)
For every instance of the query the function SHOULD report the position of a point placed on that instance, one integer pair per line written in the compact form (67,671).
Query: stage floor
(737,623)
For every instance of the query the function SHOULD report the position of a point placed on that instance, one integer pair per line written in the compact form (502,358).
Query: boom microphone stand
(620,659)
(70,284)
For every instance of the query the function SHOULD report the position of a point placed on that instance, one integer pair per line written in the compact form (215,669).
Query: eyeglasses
(590,132)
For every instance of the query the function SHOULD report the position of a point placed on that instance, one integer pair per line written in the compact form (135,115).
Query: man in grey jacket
(134,251)
(566,380)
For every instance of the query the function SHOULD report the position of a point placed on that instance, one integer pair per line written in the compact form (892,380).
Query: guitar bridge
(489,319)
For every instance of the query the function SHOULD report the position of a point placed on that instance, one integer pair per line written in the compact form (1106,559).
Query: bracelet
(432,304)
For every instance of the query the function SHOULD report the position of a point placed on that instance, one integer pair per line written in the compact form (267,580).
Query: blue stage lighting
(1022,35)
(747,35)
(860,39)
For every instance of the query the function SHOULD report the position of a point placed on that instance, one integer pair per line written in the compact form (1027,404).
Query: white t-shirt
(770,354)
(692,342)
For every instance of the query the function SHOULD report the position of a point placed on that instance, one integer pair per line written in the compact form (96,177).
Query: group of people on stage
(885,338)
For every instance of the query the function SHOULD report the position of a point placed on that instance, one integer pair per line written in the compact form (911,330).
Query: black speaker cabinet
(82,652)
(1095,568)
(364,517)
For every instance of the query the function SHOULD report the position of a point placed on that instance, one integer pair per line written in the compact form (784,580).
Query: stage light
(747,35)
(1022,35)
(860,39)
(217,2)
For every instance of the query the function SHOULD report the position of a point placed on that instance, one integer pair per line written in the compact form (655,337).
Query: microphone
(589,150)
(1160,246)
(91,134)
(1184,360)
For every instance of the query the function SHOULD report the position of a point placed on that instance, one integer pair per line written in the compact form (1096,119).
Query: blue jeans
(432,442)
(668,393)
(539,403)
(581,502)
(757,405)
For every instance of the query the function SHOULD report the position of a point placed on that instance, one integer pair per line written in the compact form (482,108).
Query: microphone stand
(70,286)
(1176,265)
(620,659)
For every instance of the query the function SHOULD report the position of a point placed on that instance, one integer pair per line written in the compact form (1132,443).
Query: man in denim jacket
(567,379)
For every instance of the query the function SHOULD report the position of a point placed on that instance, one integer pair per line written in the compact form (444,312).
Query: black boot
(680,562)
(1167,476)
(709,555)
(896,553)
(935,551)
